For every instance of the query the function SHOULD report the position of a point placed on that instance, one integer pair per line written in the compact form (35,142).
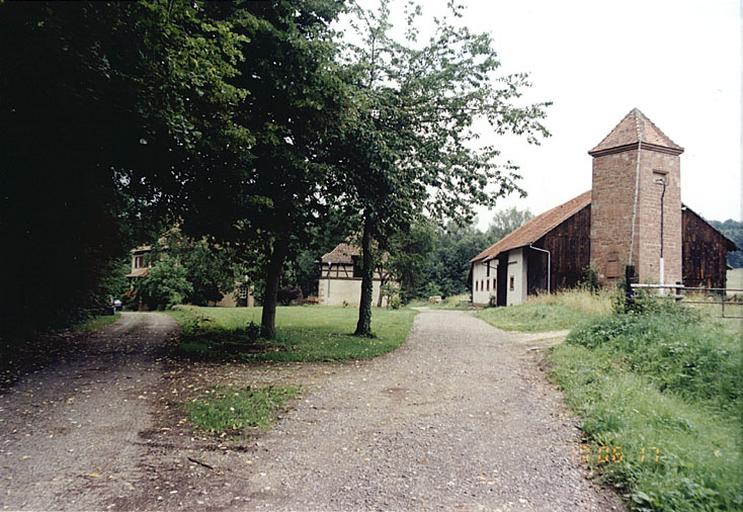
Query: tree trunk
(273,277)
(382,282)
(363,326)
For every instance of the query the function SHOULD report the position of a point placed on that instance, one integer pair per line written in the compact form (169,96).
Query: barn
(632,215)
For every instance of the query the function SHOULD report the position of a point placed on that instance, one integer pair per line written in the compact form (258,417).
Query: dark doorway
(502,277)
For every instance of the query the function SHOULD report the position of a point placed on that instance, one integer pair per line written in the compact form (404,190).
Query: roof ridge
(575,204)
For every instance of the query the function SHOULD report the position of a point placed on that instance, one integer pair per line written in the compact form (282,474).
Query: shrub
(165,284)
(673,347)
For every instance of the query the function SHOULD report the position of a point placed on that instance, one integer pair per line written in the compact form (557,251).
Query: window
(494,287)
(139,261)
(477,286)
(357,267)
(487,284)
(511,283)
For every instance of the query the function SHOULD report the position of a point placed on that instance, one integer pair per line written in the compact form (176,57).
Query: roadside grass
(459,302)
(550,312)
(661,404)
(95,323)
(231,410)
(304,333)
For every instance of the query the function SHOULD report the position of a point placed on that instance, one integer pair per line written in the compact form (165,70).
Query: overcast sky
(678,61)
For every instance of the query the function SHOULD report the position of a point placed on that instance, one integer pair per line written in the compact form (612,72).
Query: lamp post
(662,183)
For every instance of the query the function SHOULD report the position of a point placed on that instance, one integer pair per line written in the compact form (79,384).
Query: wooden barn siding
(570,249)
(702,253)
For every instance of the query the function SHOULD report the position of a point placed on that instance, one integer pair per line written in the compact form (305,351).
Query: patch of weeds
(95,323)
(549,312)
(232,410)
(658,388)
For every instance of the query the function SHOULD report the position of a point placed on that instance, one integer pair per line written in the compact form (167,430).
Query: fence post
(629,294)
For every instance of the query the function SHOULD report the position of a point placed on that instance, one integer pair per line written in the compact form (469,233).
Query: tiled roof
(536,228)
(633,128)
(343,253)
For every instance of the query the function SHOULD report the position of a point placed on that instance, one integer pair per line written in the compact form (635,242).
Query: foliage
(96,323)
(231,410)
(589,280)
(412,139)
(734,231)
(676,351)
(550,312)
(138,95)
(660,378)
(505,221)
(212,270)
(279,194)
(165,285)
(306,333)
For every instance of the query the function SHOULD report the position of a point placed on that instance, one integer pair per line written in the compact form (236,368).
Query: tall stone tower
(631,168)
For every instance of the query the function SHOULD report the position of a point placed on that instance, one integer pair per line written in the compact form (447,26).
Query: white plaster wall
(333,292)
(480,276)
(517,271)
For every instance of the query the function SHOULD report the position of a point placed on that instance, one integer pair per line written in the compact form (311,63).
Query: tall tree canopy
(106,112)
(414,141)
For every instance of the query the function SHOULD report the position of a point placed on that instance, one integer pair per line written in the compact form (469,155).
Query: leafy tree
(279,195)
(413,143)
(505,221)
(211,270)
(112,112)
(734,231)
(166,283)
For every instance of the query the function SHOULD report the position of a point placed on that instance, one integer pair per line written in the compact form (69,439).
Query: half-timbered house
(340,278)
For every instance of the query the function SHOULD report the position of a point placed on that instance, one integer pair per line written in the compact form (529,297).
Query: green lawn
(304,333)
(549,312)
(661,404)
(231,409)
(460,302)
(96,323)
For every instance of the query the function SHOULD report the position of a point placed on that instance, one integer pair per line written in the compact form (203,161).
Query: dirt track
(69,432)
(459,418)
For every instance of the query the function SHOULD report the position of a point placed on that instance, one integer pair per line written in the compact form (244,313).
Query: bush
(673,347)
(165,285)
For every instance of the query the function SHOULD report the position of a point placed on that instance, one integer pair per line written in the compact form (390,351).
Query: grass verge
(304,333)
(458,302)
(660,399)
(232,410)
(96,323)
(552,312)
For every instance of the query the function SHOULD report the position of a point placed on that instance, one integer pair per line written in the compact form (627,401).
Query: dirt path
(459,418)
(69,432)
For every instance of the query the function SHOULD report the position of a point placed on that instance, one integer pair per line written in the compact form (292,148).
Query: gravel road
(459,418)
(69,432)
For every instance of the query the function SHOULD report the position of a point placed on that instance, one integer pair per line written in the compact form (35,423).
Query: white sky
(678,61)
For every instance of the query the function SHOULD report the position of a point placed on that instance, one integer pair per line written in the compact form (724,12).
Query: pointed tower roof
(634,128)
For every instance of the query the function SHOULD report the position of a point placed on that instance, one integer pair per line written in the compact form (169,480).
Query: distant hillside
(734,231)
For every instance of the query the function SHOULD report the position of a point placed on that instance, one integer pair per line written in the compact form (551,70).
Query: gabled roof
(343,253)
(731,246)
(633,128)
(536,228)
(542,224)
